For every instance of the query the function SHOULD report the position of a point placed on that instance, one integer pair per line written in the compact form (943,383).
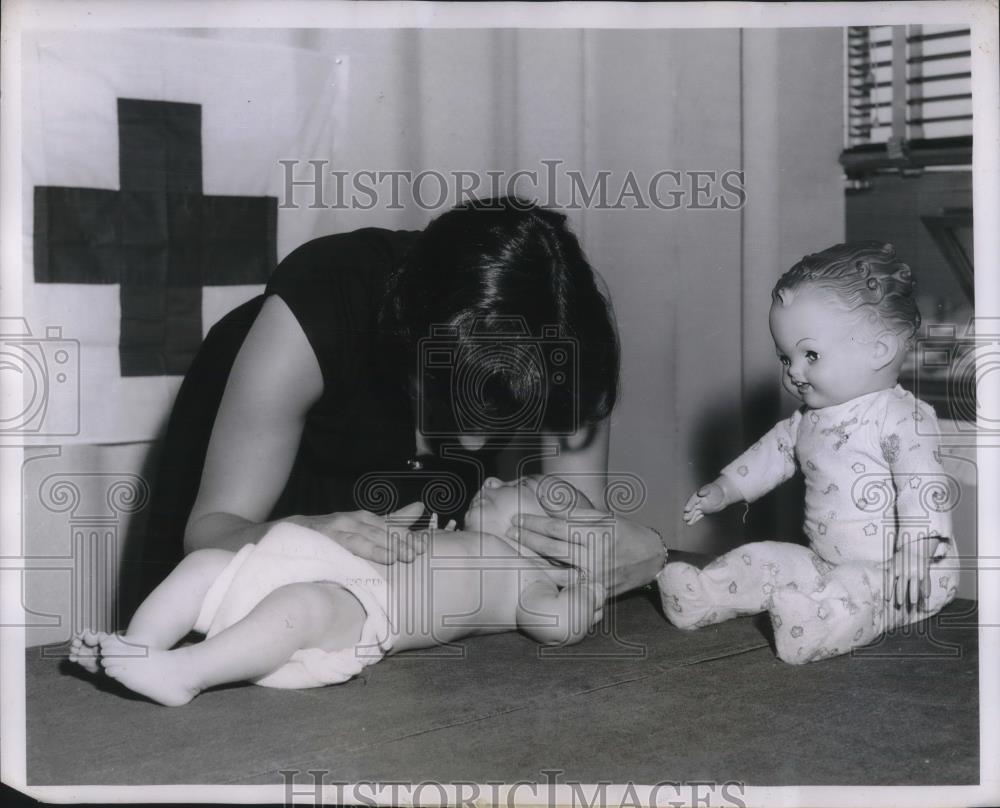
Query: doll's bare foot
(561,618)
(85,650)
(163,676)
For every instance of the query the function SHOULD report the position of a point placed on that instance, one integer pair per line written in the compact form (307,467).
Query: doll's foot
(163,676)
(582,606)
(683,597)
(807,630)
(564,619)
(85,650)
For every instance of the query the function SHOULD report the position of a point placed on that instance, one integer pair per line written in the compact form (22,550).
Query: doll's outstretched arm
(762,467)
(768,463)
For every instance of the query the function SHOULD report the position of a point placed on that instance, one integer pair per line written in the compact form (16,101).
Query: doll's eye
(784,360)
(811,356)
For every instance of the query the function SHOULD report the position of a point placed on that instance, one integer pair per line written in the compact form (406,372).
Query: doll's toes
(925,593)
(598,593)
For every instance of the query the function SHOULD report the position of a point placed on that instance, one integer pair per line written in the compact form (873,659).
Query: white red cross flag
(151,191)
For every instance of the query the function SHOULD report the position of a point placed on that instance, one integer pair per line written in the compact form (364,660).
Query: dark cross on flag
(158,237)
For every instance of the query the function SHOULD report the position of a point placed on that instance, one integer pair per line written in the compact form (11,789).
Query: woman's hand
(617,553)
(370,536)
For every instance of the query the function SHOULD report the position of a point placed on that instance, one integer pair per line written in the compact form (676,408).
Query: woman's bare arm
(273,383)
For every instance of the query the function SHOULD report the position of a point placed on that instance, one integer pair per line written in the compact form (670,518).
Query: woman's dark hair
(497,314)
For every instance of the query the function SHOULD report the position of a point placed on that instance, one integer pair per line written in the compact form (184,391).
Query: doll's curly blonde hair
(865,276)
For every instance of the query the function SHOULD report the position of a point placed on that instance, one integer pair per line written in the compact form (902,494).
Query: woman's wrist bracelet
(663,544)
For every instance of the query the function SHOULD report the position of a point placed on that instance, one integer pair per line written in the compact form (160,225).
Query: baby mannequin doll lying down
(296,610)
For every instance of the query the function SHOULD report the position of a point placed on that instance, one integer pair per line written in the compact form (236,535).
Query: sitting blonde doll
(877,500)
(296,610)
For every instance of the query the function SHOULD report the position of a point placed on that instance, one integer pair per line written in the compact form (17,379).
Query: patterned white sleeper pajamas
(874,484)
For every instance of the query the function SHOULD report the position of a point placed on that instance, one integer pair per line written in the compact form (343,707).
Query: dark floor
(645,702)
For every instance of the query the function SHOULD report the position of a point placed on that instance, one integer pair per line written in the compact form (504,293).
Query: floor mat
(639,700)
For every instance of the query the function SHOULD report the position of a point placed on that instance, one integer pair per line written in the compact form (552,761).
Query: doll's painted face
(497,502)
(826,352)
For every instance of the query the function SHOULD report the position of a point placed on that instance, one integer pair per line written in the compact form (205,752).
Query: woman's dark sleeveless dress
(358,444)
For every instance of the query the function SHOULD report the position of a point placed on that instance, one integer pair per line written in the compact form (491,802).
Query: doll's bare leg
(165,616)
(559,617)
(740,582)
(170,611)
(292,617)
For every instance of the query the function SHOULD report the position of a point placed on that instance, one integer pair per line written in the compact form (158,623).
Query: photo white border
(982,16)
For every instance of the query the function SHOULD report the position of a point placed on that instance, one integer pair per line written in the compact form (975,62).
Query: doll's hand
(709,498)
(911,575)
